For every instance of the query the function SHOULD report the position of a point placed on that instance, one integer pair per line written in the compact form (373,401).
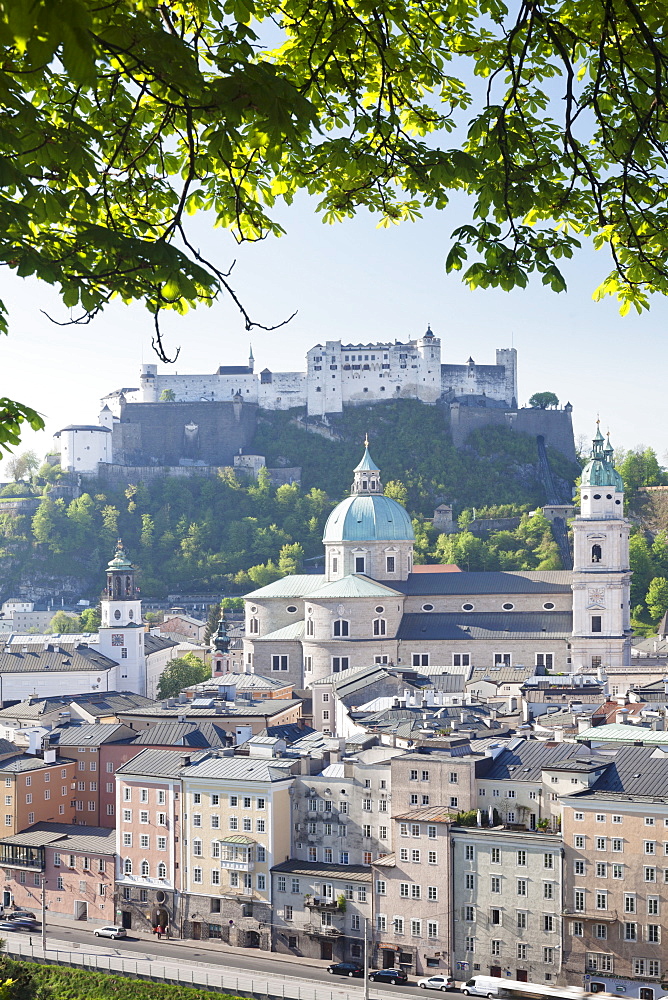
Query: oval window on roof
(427,607)
(597,496)
(468,607)
(585,497)
(507,607)
(548,606)
(380,609)
(291,608)
(608,496)
(117,614)
(618,501)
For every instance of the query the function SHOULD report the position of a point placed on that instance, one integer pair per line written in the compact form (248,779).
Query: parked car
(437,983)
(112,931)
(19,914)
(393,976)
(345,969)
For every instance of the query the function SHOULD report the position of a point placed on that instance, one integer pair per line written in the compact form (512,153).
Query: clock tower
(121,634)
(601,573)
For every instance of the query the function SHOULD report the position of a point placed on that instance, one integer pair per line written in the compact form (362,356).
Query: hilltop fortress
(189,421)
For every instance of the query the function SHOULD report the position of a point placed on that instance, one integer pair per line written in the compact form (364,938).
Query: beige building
(236,826)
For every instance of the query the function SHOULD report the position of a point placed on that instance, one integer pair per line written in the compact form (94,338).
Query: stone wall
(554,425)
(167,434)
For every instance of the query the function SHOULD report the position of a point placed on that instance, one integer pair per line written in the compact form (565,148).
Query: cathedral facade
(373,605)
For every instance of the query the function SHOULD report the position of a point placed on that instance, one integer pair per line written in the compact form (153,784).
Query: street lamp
(366,961)
(44,882)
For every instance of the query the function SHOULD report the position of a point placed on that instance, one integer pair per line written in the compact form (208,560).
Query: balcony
(233,865)
(320,903)
(317,930)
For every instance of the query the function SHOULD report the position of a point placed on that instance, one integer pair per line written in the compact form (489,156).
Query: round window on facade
(548,606)
(427,607)
(291,608)
(160,896)
(253,609)
(618,502)
(117,614)
(380,609)
(608,496)
(508,607)
(468,607)
(597,496)
(586,496)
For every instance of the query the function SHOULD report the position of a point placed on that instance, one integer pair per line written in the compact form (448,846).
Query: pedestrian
(159,931)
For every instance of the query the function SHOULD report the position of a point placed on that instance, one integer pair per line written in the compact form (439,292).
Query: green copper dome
(120,560)
(600,470)
(369,519)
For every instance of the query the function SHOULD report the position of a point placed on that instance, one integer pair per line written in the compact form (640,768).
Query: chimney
(584,723)
(185,759)
(621,716)
(558,734)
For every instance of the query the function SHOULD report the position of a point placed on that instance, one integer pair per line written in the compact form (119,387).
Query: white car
(111,932)
(437,983)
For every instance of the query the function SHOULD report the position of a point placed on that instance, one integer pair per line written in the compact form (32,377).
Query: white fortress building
(338,375)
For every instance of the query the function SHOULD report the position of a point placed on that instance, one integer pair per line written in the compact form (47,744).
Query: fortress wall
(286,389)
(465,380)
(157,433)
(555,425)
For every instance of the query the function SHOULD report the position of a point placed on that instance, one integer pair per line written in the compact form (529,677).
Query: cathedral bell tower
(121,634)
(601,573)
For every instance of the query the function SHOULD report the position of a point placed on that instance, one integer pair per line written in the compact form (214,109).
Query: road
(255,961)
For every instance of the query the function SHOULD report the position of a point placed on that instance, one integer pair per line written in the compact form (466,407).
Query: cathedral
(374,606)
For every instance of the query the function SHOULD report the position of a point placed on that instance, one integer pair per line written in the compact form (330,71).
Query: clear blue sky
(352,282)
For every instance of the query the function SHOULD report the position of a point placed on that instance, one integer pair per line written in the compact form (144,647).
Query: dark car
(20,915)
(388,976)
(346,969)
(19,924)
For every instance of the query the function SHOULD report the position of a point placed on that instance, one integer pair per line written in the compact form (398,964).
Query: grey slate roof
(502,675)
(198,735)
(93,734)
(28,762)
(634,771)
(106,703)
(526,761)
(66,837)
(527,582)
(496,625)
(53,658)
(267,706)
(347,873)
(156,643)
(207,764)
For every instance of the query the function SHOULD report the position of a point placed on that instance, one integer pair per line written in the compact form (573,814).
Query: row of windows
(328,855)
(418,928)
(408,890)
(160,818)
(416,830)
(145,841)
(521,950)
(160,794)
(100,864)
(596,962)
(145,868)
(416,857)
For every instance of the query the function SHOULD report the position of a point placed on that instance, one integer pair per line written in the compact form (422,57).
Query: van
(482,986)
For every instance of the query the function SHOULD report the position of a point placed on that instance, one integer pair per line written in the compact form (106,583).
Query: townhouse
(615,838)
(236,826)
(72,868)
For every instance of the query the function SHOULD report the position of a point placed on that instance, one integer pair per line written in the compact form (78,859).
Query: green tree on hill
(544,400)
(65,623)
(657,597)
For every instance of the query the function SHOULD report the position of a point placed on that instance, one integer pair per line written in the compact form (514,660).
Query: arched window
(310,629)
(340,627)
(127,866)
(379,626)
(254,626)
(145,869)
(596,553)
(162,870)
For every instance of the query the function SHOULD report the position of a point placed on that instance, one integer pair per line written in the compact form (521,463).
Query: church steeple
(367,475)
(120,576)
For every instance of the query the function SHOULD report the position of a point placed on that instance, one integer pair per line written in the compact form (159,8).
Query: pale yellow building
(236,826)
